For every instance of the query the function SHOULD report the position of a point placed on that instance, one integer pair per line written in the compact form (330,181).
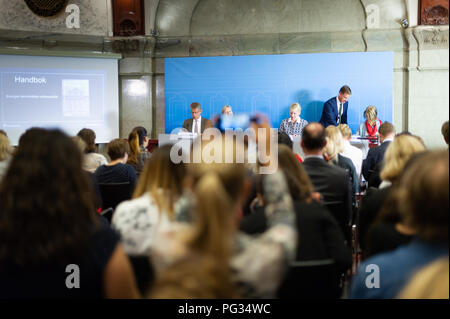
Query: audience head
(47,200)
(371,114)
(397,155)
(3,133)
(118,149)
(299,184)
(163,179)
(424,196)
(196,110)
(88,137)
(386,131)
(5,147)
(284,139)
(218,188)
(227,110)
(313,138)
(133,142)
(295,110)
(344,94)
(345,131)
(445,132)
(335,143)
(142,134)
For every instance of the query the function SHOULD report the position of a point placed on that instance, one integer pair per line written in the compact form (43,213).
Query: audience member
(153,203)
(5,155)
(350,151)
(48,222)
(92,160)
(332,182)
(424,196)
(256,264)
(397,155)
(284,139)
(445,132)
(333,147)
(293,126)
(139,155)
(197,124)
(117,171)
(372,164)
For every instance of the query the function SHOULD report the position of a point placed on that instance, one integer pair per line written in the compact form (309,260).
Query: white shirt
(355,154)
(92,161)
(199,125)
(337,104)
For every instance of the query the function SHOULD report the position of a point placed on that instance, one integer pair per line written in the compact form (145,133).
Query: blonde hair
(430,282)
(162,178)
(296,106)
(5,147)
(133,141)
(334,142)
(371,114)
(225,107)
(345,130)
(397,154)
(217,188)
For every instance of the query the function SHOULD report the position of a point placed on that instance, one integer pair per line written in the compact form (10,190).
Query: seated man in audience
(196,124)
(445,132)
(371,166)
(332,182)
(117,171)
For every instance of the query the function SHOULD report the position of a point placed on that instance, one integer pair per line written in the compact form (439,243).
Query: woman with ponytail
(138,141)
(254,265)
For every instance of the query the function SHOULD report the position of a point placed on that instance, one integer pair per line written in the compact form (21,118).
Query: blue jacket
(330,113)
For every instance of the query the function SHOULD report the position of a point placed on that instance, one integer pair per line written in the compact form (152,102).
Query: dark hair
(142,133)
(117,148)
(314,139)
(46,208)
(345,90)
(386,128)
(196,105)
(445,131)
(298,181)
(88,137)
(284,139)
(3,133)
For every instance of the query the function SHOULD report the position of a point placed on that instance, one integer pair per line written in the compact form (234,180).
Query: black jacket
(373,162)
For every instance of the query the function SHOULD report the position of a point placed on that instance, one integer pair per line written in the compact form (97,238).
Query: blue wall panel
(271,83)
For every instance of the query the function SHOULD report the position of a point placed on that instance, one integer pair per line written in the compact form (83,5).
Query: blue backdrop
(271,83)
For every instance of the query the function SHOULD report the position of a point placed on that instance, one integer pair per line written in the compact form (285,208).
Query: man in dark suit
(372,165)
(331,181)
(196,124)
(335,109)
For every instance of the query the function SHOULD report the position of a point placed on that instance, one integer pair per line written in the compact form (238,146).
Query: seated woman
(52,238)
(139,154)
(117,171)
(153,203)
(369,128)
(294,125)
(5,154)
(227,110)
(92,160)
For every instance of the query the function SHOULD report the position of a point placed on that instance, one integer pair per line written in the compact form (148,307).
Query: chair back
(113,194)
(316,279)
(340,213)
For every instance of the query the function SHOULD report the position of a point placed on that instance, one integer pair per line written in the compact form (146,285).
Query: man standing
(196,124)
(335,109)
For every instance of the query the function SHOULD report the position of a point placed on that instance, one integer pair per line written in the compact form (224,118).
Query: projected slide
(271,83)
(59,92)
(41,97)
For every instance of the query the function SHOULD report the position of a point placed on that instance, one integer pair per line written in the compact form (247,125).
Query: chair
(113,194)
(317,279)
(342,216)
